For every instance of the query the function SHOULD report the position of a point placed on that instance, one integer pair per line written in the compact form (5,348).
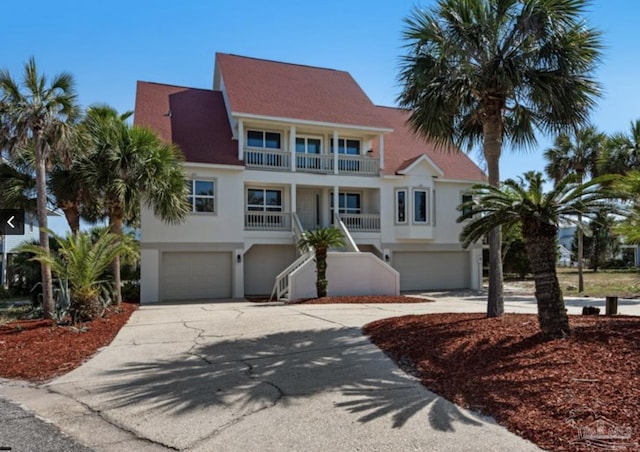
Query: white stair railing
(281,287)
(350,243)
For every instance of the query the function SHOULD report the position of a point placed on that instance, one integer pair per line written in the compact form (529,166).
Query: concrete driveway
(239,376)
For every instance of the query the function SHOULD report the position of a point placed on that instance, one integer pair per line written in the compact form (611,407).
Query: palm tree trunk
(41,202)
(580,255)
(115,226)
(492,136)
(321,270)
(541,247)
(72,215)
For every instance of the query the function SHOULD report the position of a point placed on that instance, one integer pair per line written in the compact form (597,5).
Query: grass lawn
(622,283)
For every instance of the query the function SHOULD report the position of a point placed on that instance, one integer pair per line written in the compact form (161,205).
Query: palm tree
(622,151)
(579,154)
(493,71)
(628,187)
(81,262)
(38,116)
(524,202)
(130,166)
(321,240)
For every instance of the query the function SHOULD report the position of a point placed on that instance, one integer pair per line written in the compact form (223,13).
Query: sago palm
(538,213)
(320,240)
(38,114)
(81,261)
(491,72)
(131,166)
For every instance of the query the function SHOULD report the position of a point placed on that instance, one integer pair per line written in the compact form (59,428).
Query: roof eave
(239,115)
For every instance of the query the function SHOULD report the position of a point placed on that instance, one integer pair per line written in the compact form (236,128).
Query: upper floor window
(308,145)
(346,146)
(420,204)
(401,206)
(202,195)
(465,199)
(265,200)
(264,139)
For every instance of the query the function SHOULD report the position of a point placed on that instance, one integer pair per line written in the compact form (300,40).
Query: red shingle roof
(194,119)
(283,90)
(402,147)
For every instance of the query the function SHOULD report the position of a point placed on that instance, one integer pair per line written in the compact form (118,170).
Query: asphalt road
(21,431)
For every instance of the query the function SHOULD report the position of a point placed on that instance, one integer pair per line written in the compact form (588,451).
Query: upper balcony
(277,160)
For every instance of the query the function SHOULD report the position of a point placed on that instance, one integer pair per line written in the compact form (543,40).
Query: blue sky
(109,45)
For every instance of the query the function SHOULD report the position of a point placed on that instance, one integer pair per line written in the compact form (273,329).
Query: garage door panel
(262,264)
(193,275)
(431,271)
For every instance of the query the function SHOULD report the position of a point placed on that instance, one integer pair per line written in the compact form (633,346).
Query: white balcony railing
(267,221)
(270,159)
(267,159)
(361,222)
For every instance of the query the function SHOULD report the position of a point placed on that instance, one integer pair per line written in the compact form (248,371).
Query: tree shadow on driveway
(241,376)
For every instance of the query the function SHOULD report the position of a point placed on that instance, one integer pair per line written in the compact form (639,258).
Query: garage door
(432,271)
(262,264)
(191,275)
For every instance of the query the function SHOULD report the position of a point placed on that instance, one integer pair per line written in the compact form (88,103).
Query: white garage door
(193,275)
(262,264)
(431,271)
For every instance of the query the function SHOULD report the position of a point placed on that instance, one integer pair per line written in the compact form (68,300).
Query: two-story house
(277,148)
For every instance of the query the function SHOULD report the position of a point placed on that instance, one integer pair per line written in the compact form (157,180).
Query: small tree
(82,262)
(524,202)
(320,240)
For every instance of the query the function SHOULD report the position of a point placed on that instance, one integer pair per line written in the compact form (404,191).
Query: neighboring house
(9,243)
(566,235)
(564,256)
(260,151)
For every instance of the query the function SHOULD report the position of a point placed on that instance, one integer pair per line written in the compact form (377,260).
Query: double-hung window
(202,195)
(466,199)
(347,147)
(265,201)
(349,206)
(420,206)
(401,206)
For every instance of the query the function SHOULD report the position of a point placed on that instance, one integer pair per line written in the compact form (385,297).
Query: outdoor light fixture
(386,258)
(239,258)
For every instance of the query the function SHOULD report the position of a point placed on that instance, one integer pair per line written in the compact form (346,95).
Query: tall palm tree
(579,153)
(491,72)
(39,116)
(524,202)
(628,187)
(131,166)
(622,151)
(321,240)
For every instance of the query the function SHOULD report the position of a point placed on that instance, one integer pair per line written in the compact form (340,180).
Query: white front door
(308,208)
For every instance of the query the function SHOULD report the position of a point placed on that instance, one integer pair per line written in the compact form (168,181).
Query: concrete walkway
(233,376)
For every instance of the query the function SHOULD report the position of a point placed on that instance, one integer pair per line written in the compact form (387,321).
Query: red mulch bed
(545,391)
(38,350)
(368,299)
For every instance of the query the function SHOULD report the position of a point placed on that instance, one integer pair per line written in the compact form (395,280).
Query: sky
(108,46)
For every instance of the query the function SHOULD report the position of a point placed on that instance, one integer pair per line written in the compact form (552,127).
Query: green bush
(131,291)
(5,293)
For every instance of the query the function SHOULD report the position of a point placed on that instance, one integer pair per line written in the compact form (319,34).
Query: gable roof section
(403,148)
(194,119)
(283,90)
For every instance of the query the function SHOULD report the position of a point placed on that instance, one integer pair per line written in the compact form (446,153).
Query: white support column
(476,269)
(238,273)
(381,150)
(335,152)
(292,147)
(294,197)
(336,202)
(240,139)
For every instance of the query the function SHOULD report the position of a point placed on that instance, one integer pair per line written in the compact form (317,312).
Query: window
(308,145)
(264,200)
(202,195)
(345,146)
(420,199)
(349,204)
(263,139)
(401,206)
(465,199)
